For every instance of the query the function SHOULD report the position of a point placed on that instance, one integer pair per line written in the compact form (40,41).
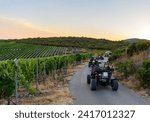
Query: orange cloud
(11,28)
(20,28)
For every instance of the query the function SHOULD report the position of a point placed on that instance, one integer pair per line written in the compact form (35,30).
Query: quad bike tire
(114,84)
(93,84)
(88,79)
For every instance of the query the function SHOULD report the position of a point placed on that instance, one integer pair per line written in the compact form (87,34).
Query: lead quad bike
(102,76)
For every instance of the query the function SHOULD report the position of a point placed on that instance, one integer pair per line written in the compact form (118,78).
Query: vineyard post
(44,69)
(37,74)
(65,63)
(16,80)
(75,61)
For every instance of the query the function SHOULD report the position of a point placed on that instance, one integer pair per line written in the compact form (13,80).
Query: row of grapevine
(27,72)
(31,52)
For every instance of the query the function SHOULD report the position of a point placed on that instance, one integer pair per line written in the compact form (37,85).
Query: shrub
(78,57)
(144,73)
(131,49)
(137,47)
(7,80)
(126,68)
(7,86)
(116,54)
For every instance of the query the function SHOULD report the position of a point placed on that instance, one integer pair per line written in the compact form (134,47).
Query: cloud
(21,28)
(11,28)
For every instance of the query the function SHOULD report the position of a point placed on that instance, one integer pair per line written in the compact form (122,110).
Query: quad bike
(92,62)
(102,76)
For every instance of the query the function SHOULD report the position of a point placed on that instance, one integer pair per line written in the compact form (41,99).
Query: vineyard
(26,67)
(12,50)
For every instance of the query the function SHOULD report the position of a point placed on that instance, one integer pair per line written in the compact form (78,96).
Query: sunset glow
(110,19)
(144,33)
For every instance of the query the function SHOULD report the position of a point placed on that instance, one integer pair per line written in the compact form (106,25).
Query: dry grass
(132,82)
(51,96)
(137,58)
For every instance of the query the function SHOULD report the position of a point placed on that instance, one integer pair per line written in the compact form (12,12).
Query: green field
(13,50)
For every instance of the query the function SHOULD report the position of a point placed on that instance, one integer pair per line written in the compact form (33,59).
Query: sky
(110,19)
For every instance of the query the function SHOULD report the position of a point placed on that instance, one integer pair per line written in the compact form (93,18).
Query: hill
(79,42)
(132,40)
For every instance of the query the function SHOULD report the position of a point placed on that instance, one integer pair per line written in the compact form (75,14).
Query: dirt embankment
(132,82)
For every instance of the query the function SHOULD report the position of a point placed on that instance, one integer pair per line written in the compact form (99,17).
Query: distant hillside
(132,40)
(79,42)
